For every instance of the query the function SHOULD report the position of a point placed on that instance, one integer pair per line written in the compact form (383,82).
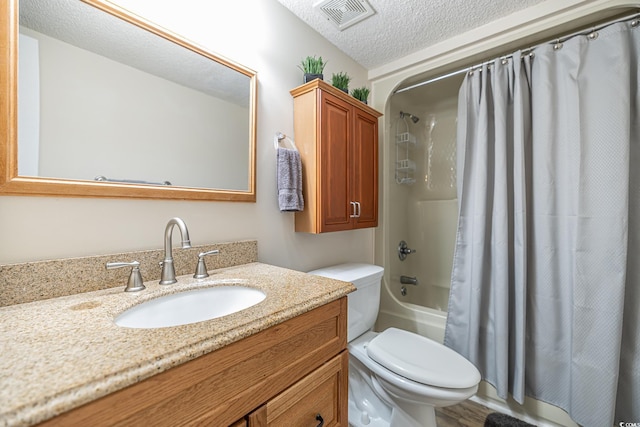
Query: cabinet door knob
(319,418)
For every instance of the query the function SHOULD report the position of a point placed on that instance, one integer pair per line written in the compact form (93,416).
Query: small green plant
(361,93)
(312,65)
(341,81)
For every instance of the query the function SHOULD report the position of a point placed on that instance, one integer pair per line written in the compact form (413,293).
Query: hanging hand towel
(289,180)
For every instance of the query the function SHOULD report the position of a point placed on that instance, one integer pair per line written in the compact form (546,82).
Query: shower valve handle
(404,250)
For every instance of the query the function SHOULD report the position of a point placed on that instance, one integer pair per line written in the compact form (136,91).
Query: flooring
(465,414)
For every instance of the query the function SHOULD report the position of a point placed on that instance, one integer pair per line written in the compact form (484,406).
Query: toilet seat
(422,360)
(402,388)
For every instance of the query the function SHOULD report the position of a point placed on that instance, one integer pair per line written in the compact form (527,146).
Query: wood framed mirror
(102,103)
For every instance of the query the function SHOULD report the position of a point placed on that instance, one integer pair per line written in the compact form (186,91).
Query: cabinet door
(365,169)
(335,156)
(241,423)
(321,398)
(257,418)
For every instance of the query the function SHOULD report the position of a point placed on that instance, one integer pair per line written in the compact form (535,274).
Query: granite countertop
(61,353)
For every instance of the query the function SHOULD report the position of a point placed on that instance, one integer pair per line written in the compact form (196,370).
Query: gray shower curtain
(545,292)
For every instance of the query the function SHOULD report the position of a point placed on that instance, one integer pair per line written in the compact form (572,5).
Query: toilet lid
(422,360)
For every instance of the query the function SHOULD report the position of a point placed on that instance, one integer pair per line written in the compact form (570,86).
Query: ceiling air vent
(345,13)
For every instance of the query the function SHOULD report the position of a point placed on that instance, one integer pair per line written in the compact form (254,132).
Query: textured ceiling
(401,27)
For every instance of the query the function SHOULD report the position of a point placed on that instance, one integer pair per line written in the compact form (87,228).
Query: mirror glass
(110,101)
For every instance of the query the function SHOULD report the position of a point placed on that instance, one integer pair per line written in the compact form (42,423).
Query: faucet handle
(135,282)
(201,268)
(404,250)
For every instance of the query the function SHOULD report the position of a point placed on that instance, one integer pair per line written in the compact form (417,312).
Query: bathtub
(422,320)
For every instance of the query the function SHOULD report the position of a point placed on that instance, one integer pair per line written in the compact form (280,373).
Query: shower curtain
(545,292)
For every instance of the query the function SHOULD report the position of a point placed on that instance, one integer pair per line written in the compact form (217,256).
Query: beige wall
(262,35)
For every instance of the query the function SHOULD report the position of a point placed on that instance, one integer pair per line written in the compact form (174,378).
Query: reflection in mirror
(110,108)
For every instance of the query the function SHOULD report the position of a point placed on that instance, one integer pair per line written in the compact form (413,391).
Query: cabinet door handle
(358,210)
(319,418)
(353,210)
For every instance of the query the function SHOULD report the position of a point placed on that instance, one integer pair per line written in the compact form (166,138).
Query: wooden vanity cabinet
(287,374)
(337,136)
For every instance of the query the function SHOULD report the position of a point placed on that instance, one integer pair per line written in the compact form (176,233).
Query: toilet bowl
(396,378)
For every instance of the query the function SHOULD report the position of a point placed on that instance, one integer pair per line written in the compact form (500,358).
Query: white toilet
(396,377)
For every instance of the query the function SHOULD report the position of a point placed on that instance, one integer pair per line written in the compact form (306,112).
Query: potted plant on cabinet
(312,68)
(360,93)
(341,81)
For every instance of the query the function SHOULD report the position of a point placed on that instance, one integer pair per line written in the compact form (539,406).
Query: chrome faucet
(168,271)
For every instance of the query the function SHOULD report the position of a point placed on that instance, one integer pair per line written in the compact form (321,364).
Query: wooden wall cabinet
(337,136)
(286,375)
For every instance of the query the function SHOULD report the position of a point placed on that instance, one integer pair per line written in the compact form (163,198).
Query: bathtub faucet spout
(408,280)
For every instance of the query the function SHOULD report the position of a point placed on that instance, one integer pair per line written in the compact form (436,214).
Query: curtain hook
(558,45)
(635,23)
(593,35)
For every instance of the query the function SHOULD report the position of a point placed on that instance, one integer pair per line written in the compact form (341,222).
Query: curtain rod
(560,39)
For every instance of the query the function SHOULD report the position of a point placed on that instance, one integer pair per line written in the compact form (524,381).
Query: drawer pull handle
(319,418)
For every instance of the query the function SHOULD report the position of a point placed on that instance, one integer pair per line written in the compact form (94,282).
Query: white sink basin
(190,306)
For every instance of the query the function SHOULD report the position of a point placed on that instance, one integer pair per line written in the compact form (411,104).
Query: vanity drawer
(323,393)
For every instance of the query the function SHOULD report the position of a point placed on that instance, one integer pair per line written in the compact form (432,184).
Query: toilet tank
(365,301)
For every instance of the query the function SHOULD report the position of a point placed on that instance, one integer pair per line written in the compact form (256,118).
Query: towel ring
(282,137)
